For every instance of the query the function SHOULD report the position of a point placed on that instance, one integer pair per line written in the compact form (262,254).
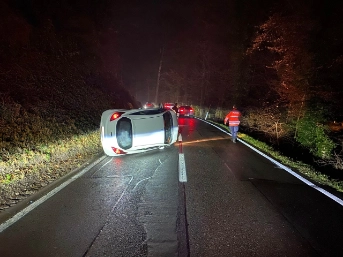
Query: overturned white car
(137,130)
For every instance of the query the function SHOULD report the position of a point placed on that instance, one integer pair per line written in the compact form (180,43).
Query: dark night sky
(144,27)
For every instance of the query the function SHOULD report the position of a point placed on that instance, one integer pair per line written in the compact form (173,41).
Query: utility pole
(159,75)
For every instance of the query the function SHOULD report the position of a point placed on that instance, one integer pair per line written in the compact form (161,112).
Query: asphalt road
(241,204)
(234,202)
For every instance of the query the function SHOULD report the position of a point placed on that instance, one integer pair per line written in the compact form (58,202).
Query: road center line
(182,168)
(182,163)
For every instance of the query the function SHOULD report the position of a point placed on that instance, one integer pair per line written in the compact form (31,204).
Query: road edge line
(33,205)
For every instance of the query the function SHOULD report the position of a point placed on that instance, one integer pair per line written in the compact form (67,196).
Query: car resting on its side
(137,130)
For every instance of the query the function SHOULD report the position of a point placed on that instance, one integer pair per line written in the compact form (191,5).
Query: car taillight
(118,151)
(115,116)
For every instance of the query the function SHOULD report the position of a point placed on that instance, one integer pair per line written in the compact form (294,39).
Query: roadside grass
(300,167)
(23,173)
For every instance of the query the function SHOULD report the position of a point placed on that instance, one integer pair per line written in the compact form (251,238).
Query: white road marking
(307,182)
(182,168)
(182,163)
(41,200)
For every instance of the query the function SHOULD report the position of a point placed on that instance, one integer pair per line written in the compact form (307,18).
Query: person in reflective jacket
(233,118)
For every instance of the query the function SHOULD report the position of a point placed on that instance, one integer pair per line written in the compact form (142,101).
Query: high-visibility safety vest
(233,118)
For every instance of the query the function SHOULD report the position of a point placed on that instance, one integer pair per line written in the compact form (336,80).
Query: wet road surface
(234,202)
